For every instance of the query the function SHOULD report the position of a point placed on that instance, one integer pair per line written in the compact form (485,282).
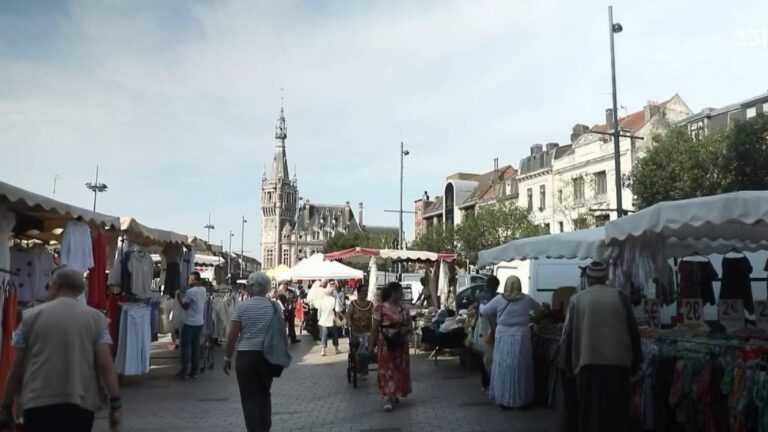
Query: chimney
(536,149)
(577,131)
(552,146)
(425,197)
(360,214)
(651,109)
(609,118)
(306,210)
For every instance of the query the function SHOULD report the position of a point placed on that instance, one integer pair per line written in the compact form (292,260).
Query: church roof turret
(280,162)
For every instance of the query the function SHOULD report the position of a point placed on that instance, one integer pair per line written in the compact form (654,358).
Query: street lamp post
(96,187)
(242,246)
(615,28)
(229,258)
(403,154)
(209,227)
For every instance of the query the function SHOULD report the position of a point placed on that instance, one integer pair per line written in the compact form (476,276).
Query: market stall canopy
(207,260)
(147,236)
(315,267)
(582,244)
(277,270)
(707,225)
(362,255)
(201,245)
(53,214)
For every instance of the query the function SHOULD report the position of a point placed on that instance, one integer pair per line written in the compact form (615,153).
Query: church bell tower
(279,198)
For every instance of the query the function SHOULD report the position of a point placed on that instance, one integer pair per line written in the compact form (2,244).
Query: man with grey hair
(247,331)
(63,358)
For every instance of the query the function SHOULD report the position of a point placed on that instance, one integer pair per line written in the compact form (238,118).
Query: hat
(597,270)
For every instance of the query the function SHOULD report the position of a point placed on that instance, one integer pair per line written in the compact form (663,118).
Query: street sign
(693,311)
(761,314)
(731,313)
(652,316)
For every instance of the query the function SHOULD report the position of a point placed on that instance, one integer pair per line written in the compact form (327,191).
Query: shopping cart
(360,357)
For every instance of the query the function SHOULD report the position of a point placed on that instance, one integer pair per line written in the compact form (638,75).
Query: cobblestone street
(313,395)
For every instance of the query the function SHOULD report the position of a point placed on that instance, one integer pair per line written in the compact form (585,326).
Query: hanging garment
(76,247)
(97,284)
(187,267)
(696,279)
(172,279)
(7,222)
(24,266)
(142,269)
(46,267)
(134,340)
(736,283)
(8,326)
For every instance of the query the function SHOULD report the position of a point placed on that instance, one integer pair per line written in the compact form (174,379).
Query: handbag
(275,349)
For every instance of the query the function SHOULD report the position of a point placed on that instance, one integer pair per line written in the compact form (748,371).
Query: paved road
(313,395)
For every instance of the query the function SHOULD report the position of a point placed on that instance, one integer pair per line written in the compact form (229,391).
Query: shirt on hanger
(76,248)
(142,270)
(7,221)
(24,265)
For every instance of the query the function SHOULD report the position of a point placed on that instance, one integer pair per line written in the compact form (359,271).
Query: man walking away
(288,297)
(193,302)
(601,345)
(62,359)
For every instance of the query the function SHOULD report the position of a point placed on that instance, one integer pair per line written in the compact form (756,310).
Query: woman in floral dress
(391,328)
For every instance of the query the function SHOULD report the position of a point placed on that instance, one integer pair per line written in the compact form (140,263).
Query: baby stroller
(309,322)
(360,357)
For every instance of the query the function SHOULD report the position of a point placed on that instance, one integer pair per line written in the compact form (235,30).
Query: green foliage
(436,239)
(341,241)
(491,225)
(679,167)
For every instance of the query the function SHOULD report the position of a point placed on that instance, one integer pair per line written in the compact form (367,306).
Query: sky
(176,101)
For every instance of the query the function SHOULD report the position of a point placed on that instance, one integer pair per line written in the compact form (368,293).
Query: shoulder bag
(491,340)
(275,349)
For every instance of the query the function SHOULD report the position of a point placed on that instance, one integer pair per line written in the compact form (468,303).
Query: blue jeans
(190,347)
(330,332)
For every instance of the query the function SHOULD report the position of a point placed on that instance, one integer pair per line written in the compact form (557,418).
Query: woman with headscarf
(512,380)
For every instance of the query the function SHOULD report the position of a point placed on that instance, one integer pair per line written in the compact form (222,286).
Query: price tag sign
(731,313)
(761,314)
(693,311)
(652,315)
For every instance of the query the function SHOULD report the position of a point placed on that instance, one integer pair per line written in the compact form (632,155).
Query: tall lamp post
(615,28)
(209,227)
(242,246)
(229,258)
(96,187)
(403,154)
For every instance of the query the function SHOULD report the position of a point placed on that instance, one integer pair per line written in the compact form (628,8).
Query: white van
(541,277)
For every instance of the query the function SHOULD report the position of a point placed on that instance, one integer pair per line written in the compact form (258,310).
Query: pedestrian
(340,309)
(483,326)
(63,359)
(288,297)
(601,346)
(326,311)
(247,331)
(193,303)
(512,380)
(390,331)
(360,319)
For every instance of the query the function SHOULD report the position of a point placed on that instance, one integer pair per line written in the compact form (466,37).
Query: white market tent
(583,244)
(316,267)
(708,225)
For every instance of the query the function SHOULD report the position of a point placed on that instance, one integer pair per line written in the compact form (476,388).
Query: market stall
(641,249)
(583,244)
(316,267)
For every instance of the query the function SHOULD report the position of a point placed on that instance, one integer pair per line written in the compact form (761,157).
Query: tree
(680,167)
(436,239)
(348,240)
(492,225)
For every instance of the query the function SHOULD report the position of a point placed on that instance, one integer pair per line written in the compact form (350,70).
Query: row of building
(572,186)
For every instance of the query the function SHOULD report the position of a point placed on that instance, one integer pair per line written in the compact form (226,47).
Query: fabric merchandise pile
(701,384)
